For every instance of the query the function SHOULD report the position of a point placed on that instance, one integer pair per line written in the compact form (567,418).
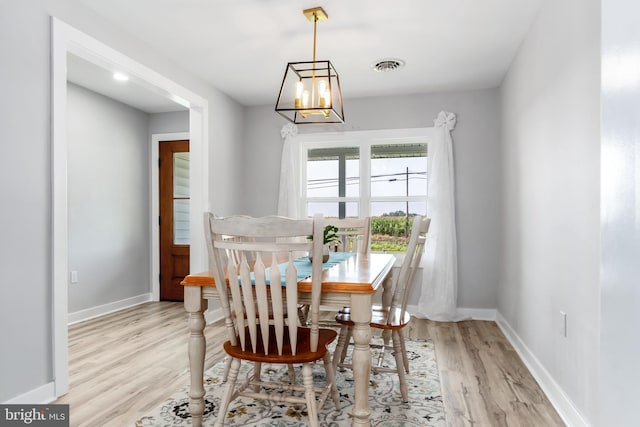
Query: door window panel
(181,199)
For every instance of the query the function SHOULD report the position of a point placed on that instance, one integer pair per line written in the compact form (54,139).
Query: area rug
(387,409)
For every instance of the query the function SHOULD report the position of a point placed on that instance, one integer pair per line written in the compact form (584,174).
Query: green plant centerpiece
(330,239)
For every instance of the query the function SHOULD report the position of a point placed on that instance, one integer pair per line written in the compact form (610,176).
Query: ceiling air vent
(386,65)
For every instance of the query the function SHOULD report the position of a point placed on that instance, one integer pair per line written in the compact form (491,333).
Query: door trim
(67,39)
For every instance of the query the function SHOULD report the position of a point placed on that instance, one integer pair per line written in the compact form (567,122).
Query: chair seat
(381,317)
(303,354)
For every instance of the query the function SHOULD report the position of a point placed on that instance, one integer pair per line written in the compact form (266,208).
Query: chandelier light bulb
(298,97)
(322,88)
(305,99)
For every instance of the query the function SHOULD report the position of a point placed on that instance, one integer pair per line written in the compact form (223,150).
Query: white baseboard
(558,398)
(476,313)
(463,313)
(101,310)
(38,396)
(211,316)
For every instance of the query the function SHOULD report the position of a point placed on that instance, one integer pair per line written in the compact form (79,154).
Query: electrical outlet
(73,276)
(563,323)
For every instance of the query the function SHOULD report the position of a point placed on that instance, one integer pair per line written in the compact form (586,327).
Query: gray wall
(108,184)
(476,144)
(176,121)
(25,255)
(25,173)
(227,125)
(551,219)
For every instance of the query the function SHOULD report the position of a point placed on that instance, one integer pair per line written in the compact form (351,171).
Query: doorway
(174,218)
(66,39)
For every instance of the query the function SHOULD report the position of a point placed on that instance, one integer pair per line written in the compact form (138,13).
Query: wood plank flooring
(124,364)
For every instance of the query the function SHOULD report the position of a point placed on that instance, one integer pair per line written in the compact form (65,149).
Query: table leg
(361,316)
(195,306)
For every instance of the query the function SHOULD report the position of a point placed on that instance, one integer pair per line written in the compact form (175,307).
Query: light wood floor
(124,364)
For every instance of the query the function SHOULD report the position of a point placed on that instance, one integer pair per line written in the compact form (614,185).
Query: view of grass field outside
(397,182)
(389,233)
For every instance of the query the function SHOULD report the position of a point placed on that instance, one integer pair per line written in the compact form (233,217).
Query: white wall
(25,309)
(108,172)
(476,145)
(551,163)
(620,290)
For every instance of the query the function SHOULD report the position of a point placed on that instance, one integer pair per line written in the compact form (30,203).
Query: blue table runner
(303,266)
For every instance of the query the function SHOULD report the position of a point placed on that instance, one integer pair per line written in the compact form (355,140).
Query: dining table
(350,282)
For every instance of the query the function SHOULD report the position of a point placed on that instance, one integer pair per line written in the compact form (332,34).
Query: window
(378,174)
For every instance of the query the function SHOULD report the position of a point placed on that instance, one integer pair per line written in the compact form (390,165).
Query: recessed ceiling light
(120,77)
(386,65)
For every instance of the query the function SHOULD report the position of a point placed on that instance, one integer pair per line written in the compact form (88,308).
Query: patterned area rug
(423,409)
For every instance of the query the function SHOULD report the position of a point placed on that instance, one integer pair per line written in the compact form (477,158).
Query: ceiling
(242,47)
(100,80)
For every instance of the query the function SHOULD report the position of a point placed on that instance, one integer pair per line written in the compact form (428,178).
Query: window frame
(364,140)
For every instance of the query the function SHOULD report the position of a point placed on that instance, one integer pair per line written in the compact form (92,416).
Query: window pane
(353,178)
(332,209)
(399,170)
(181,229)
(180,174)
(398,208)
(333,172)
(391,226)
(322,178)
(181,202)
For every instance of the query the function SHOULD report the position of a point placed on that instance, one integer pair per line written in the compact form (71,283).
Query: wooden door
(174,218)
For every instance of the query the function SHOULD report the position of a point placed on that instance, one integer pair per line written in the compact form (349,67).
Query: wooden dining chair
(354,235)
(259,298)
(392,317)
(236,257)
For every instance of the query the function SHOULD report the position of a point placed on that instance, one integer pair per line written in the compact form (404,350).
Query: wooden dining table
(352,282)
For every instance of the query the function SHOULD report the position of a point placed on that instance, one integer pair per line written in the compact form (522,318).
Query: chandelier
(310,91)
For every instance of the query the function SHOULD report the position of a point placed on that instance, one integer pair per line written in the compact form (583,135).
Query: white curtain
(290,179)
(440,260)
